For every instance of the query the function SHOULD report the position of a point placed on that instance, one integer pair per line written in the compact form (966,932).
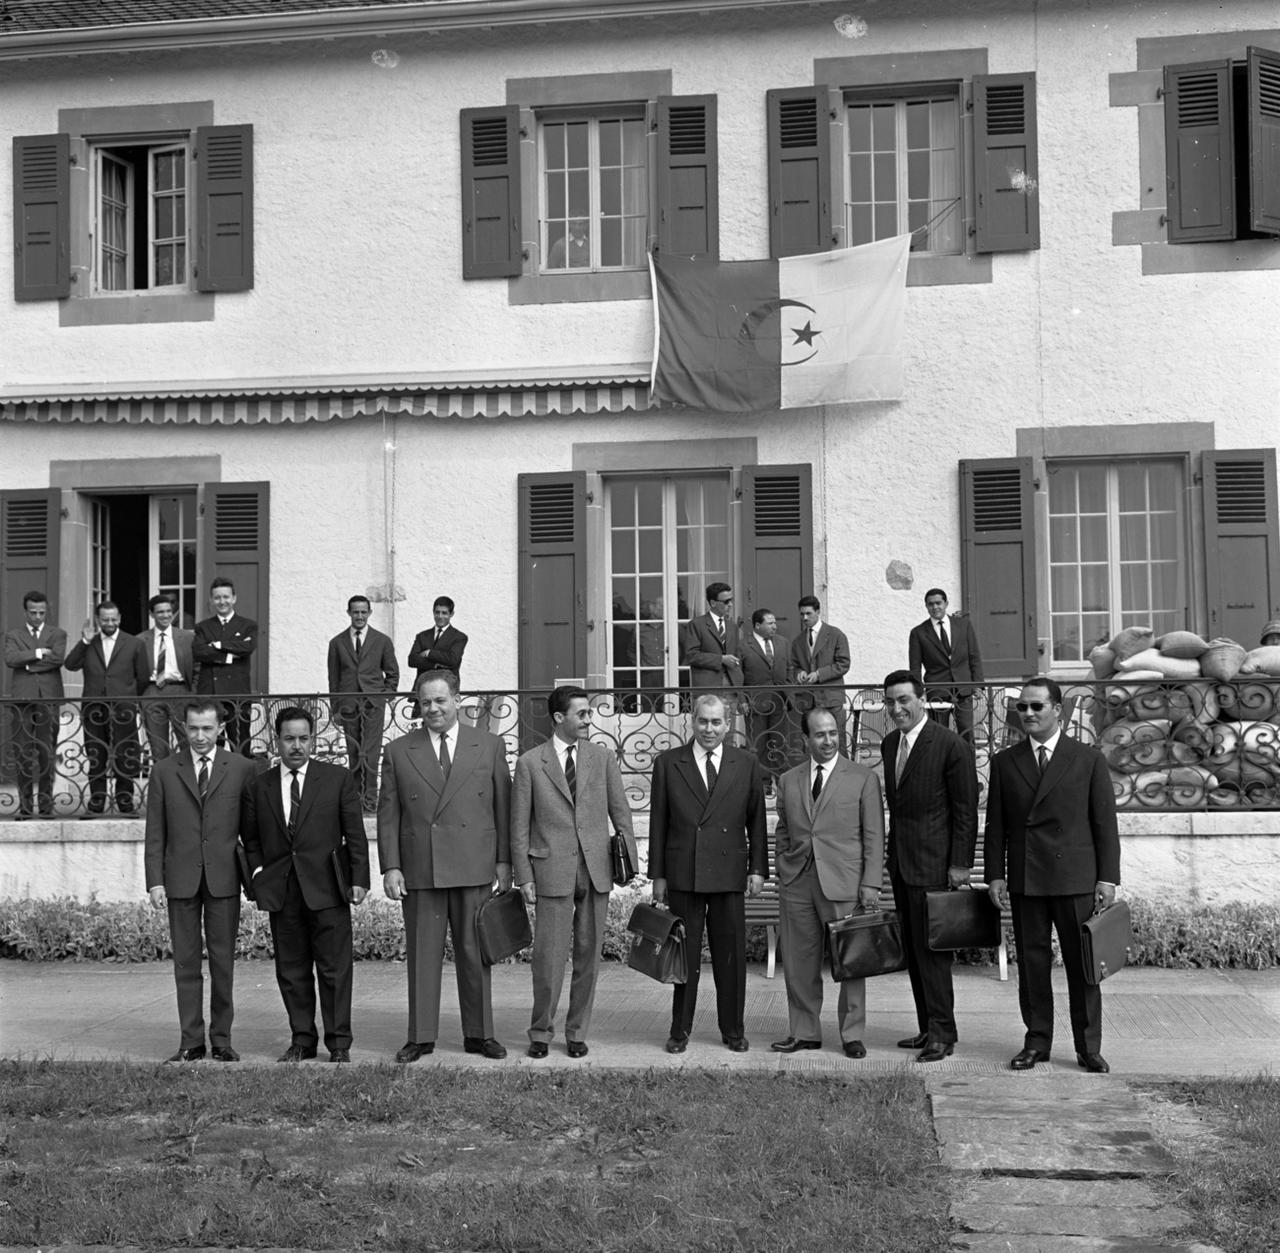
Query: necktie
(1042,754)
(904,750)
(357,644)
(439,633)
(817,782)
(768,650)
(295,799)
(811,635)
(711,774)
(720,629)
(203,781)
(946,639)
(160,657)
(571,773)
(444,756)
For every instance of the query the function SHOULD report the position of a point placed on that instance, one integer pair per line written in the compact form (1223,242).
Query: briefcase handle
(862,911)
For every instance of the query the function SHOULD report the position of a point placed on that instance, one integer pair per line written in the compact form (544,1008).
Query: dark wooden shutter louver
(491,245)
(235,543)
(688,178)
(224,208)
(41,217)
(551,511)
(1263,78)
(552,577)
(997,562)
(777,541)
(1006,163)
(800,177)
(1199,151)
(30,542)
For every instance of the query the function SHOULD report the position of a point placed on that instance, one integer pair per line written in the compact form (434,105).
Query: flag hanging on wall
(813,330)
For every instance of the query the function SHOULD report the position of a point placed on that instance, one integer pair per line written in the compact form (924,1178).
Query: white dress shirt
(286,780)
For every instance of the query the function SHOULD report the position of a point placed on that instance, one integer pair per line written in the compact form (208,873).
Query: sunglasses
(1031,706)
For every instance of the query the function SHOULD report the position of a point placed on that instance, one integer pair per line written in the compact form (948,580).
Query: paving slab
(1075,1244)
(1098,1207)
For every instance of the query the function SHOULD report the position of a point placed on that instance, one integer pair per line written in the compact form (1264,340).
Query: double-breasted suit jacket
(224,670)
(702,650)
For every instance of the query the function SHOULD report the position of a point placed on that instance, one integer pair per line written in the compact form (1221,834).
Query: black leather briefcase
(866,944)
(657,949)
(1107,941)
(963,918)
(624,869)
(502,923)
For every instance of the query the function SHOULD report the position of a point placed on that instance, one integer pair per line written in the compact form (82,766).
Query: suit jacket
(438,833)
(843,834)
(702,652)
(183,839)
(426,654)
(32,678)
(236,640)
(757,671)
(329,821)
(127,675)
(702,843)
(1054,835)
(376,669)
(829,656)
(933,813)
(181,641)
(548,829)
(962,665)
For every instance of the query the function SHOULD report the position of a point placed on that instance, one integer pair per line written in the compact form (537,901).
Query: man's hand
(755,884)
(356,894)
(393,885)
(504,875)
(869,898)
(659,891)
(804,676)
(157,895)
(1104,895)
(730,660)
(957,876)
(999,893)
(86,631)
(529,892)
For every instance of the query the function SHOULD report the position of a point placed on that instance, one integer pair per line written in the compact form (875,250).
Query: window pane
(180,215)
(169,564)
(1166,586)
(917,220)
(610,143)
(717,551)
(624,561)
(882,127)
(885,173)
(1062,490)
(1064,589)
(1064,543)
(633,152)
(553,141)
(189,563)
(624,608)
(576,145)
(918,124)
(1095,629)
(167,514)
(886,221)
(1093,488)
(859,128)
(1164,536)
(1095,588)
(860,176)
(1133,537)
(164,266)
(1134,595)
(1164,485)
(557,202)
(649,502)
(611,192)
(610,241)
(622,503)
(164,218)
(1093,539)
(917,175)
(1132,479)
(1066,640)
(579,194)
(650,594)
(860,224)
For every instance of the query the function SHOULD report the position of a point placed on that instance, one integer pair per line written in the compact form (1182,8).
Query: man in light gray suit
(830,860)
(565,793)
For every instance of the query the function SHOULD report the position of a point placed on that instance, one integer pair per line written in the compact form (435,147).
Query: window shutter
(234,542)
(1241,542)
(552,577)
(1199,152)
(30,530)
(41,217)
(688,193)
(1264,140)
(800,174)
(1006,174)
(224,208)
(777,541)
(998,563)
(491,192)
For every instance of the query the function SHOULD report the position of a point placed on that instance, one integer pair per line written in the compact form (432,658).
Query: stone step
(1098,1207)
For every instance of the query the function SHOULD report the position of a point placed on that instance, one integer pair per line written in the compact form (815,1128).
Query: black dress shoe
(188,1055)
(297,1053)
(489,1047)
(340,1055)
(736,1043)
(677,1043)
(411,1051)
(914,1041)
(537,1048)
(1094,1063)
(1027,1059)
(224,1053)
(855,1049)
(792,1045)
(935,1051)
(576,1048)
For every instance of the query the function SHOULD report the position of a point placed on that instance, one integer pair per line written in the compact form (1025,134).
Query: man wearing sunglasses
(1052,854)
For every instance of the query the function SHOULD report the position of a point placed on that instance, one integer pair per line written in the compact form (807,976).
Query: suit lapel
(834,768)
(309,789)
(551,765)
(423,755)
(1025,760)
(1055,770)
(187,772)
(687,765)
(274,803)
(464,762)
(724,780)
(926,733)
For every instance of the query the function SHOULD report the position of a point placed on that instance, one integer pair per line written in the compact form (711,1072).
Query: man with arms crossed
(223,645)
(310,857)
(439,647)
(931,788)
(34,652)
(170,678)
(193,824)
(1052,855)
(707,842)
(829,860)
(566,791)
(443,835)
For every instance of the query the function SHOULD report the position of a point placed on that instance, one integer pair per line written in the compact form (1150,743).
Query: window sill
(551,289)
(136,310)
(947,270)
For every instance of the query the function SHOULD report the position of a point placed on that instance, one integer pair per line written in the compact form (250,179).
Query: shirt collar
(714,754)
(562,749)
(817,626)
(286,772)
(914,734)
(195,757)
(1051,744)
(764,643)
(450,736)
(225,620)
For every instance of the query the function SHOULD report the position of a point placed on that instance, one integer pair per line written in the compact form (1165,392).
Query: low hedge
(1233,935)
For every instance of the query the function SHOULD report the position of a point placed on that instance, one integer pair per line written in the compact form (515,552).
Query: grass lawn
(427,1158)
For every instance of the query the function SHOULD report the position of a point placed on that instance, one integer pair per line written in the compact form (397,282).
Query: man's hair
(105,604)
(894,677)
(294,713)
(222,581)
(1049,685)
(935,591)
(562,697)
(358,600)
(809,602)
(162,598)
(817,709)
(442,602)
(437,676)
(705,699)
(34,598)
(716,590)
(202,705)
(759,615)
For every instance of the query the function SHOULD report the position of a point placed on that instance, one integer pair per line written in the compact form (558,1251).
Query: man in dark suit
(362,667)
(223,645)
(309,856)
(566,791)
(707,843)
(932,791)
(946,650)
(829,862)
(115,671)
(443,836)
(34,654)
(1052,855)
(171,676)
(764,667)
(818,662)
(709,644)
(193,825)
(439,647)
